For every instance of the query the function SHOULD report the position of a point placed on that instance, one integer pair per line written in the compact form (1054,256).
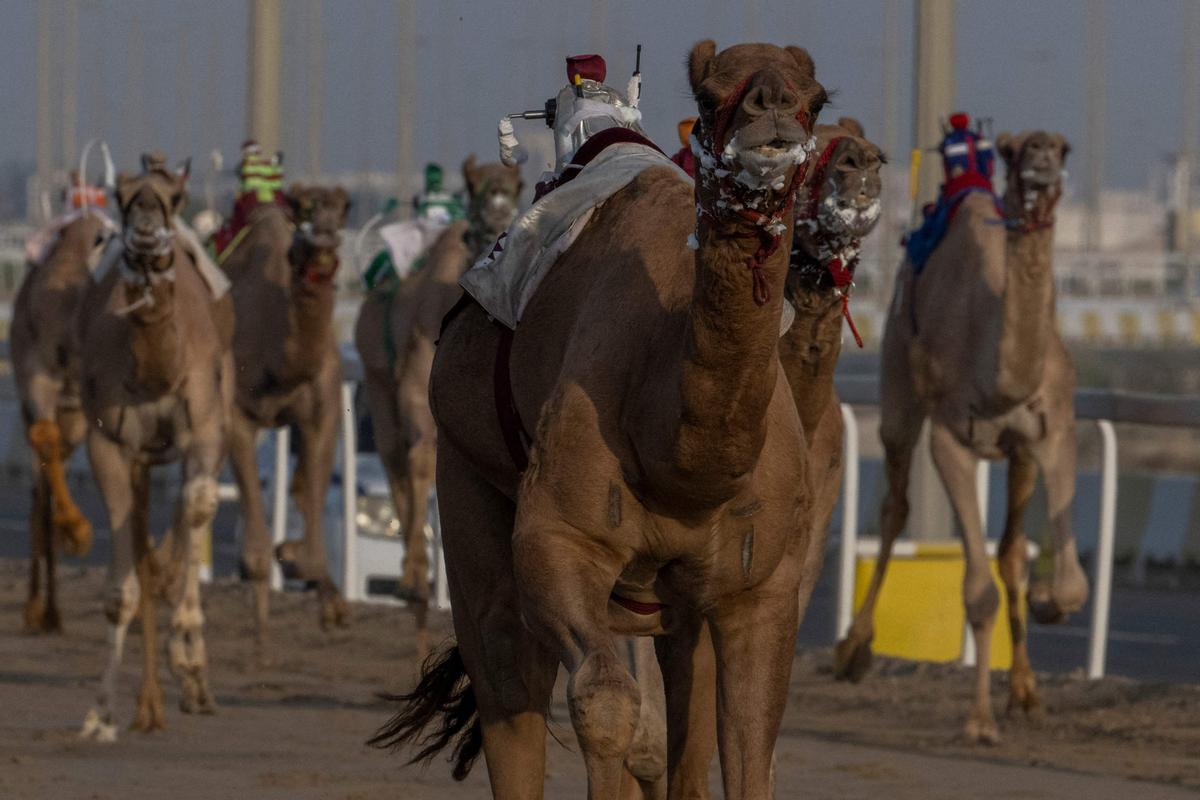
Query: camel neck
(1028,312)
(730,360)
(310,329)
(809,349)
(156,345)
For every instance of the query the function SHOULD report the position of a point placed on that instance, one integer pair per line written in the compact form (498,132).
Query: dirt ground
(296,728)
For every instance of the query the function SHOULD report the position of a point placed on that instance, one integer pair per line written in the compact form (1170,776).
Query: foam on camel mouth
(848,218)
(766,166)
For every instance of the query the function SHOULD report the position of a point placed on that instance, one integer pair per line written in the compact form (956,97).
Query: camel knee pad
(200,500)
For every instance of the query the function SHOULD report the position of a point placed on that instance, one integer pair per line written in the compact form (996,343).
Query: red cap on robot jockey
(586,67)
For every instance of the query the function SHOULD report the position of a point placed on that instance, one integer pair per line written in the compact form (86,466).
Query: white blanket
(214,277)
(407,241)
(504,281)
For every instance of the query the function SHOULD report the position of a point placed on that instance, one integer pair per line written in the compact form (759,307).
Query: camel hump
(852,125)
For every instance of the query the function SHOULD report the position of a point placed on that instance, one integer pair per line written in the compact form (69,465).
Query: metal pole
(279,487)
(442,586)
(70,84)
(265,67)
(1094,48)
(848,556)
(933,89)
(1102,580)
(350,586)
(316,87)
(407,102)
(45,137)
(1187,107)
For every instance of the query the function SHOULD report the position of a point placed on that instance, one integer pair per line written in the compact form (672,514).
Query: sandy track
(295,729)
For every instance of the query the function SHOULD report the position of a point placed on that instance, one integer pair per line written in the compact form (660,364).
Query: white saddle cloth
(504,281)
(212,275)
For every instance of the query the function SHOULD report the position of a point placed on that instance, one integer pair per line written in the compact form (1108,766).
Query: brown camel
(666,479)
(836,209)
(972,344)
(289,372)
(157,379)
(395,334)
(45,354)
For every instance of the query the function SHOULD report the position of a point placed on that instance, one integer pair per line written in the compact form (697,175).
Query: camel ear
(343,197)
(1064,146)
(1006,146)
(126,188)
(469,173)
(184,170)
(178,193)
(851,124)
(700,62)
(803,60)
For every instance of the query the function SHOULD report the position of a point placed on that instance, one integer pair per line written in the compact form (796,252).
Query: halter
(146,275)
(313,256)
(736,201)
(840,270)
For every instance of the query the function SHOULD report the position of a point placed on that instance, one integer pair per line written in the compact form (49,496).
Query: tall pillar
(407,105)
(933,89)
(265,68)
(45,136)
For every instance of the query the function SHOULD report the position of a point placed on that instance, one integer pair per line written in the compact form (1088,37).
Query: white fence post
(848,557)
(1102,579)
(350,587)
(279,490)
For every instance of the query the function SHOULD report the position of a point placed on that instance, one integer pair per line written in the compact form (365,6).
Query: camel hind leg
(186,651)
(149,707)
(1067,590)
(68,523)
(1022,478)
(956,464)
(41,606)
(256,539)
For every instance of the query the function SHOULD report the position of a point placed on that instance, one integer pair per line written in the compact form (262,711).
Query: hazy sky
(172,74)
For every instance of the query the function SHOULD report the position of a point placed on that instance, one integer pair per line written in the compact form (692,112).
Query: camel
(667,478)
(157,378)
(289,372)
(395,334)
(45,354)
(837,208)
(972,344)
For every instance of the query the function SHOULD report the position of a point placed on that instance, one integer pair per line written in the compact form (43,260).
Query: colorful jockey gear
(589,67)
(684,129)
(81,195)
(259,174)
(684,157)
(587,106)
(435,204)
(968,160)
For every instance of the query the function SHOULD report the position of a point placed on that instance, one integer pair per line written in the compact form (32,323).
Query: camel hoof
(255,568)
(412,594)
(96,729)
(149,714)
(1051,603)
(851,660)
(204,705)
(74,534)
(982,731)
(335,613)
(1023,697)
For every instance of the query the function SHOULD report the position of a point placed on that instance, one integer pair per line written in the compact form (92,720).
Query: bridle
(316,264)
(737,202)
(144,266)
(1034,216)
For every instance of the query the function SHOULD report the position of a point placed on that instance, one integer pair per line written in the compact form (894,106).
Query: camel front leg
(150,709)
(1067,591)
(256,539)
(754,639)
(122,593)
(69,524)
(689,677)
(418,480)
(565,580)
(1022,478)
(956,464)
(39,614)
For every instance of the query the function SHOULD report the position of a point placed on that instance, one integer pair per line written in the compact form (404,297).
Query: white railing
(1104,407)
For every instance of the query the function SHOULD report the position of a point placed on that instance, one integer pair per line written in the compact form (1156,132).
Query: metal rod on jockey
(848,555)
(1102,580)
(279,483)
(441,587)
(350,586)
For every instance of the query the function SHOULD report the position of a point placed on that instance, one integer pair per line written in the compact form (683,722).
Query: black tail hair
(443,699)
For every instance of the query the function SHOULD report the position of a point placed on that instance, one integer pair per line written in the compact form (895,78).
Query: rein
(736,201)
(840,268)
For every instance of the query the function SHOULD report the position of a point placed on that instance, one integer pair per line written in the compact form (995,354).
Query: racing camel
(157,378)
(667,468)
(972,344)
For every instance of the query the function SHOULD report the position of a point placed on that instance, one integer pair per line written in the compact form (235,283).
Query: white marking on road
(1165,639)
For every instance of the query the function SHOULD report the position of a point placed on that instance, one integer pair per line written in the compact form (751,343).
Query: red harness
(770,227)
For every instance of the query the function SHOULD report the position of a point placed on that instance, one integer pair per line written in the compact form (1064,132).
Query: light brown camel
(836,209)
(289,372)
(666,479)
(45,355)
(157,381)
(395,334)
(971,343)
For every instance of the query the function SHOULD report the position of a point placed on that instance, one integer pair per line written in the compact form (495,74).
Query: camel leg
(122,592)
(1022,477)
(645,775)
(754,639)
(150,710)
(564,580)
(38,611)
(1068,589)
(381,401)
(316,441)
(689,675)
(511,674)
(956,464)
(256,540)
(69,524)
(899,429)
(418,480)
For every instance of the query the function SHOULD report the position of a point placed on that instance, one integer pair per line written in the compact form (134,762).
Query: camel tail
(440,712)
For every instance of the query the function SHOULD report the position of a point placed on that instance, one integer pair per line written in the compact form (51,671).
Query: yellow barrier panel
(1166,325)
(1130,327)
(1196,327)
(1092,332)
(920,613)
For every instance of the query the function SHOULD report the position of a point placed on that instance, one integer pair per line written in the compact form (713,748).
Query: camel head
(493,191)
(148,204)
(837,206)
(1036,163)
(319,214)
(758,104)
